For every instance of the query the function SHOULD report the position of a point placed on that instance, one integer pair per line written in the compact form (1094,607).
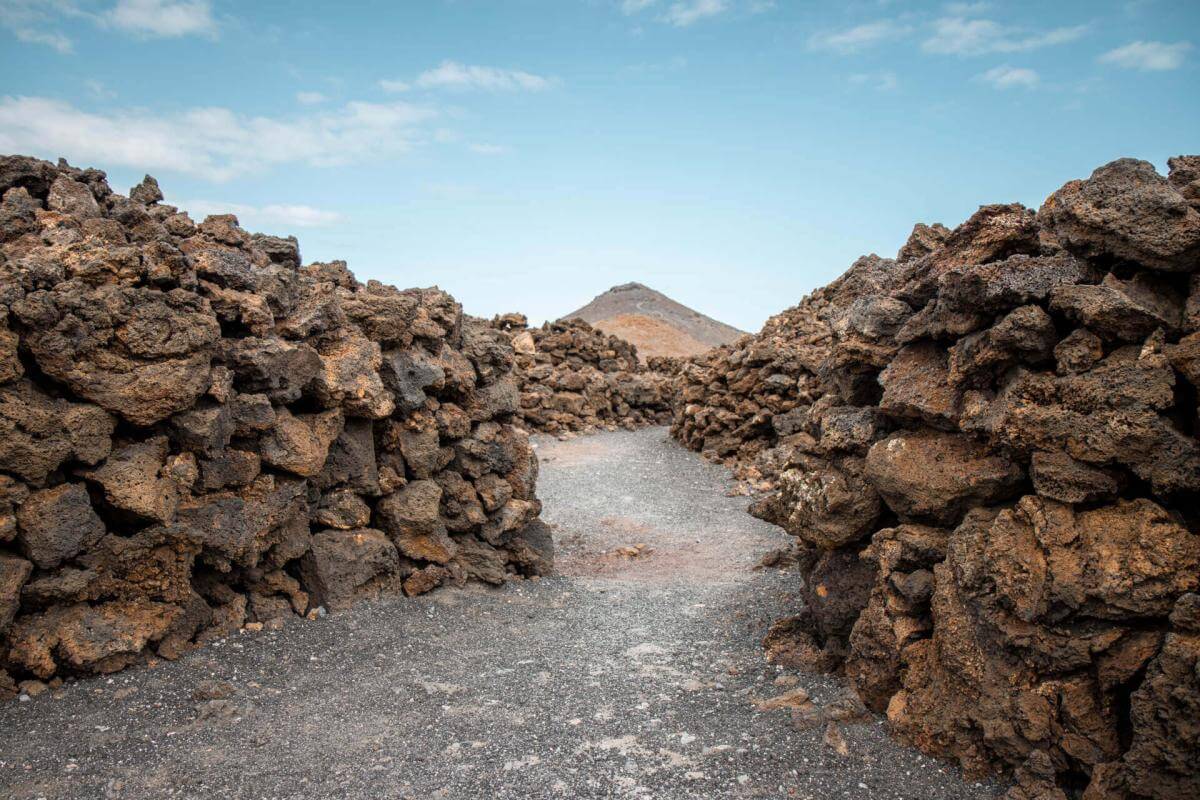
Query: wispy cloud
(859,37)
(689,12)
(36,22)
(634,6)
(394,86)
(457,76)
(39,21)
(298,216)
(960,34)
(1148,56)
(163,18)
(1006,77)
(211,142)
(310,98)
(684,13)
(883,81)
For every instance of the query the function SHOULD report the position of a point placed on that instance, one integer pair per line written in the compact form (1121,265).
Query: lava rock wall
(198,433)
(575,378)
(988,450)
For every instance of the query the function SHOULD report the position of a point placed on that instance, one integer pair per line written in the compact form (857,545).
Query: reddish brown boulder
(39,432)
(1126,211)
(936,476)
(916,386)
(344,567)
(828,507)
(13,574)
(1057,476)
(56,524)
(140,353)
(83,638)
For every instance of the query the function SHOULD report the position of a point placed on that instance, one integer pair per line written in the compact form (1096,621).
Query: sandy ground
(626,676)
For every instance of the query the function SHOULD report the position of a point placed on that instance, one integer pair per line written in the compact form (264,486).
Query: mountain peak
(656,324)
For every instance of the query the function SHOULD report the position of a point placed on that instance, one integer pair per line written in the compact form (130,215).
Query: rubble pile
(575,378)
(987,448)
(199,433)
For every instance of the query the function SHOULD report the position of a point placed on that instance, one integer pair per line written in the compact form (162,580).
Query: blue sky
(526,155)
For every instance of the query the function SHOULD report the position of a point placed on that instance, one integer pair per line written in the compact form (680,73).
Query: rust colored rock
(1126,211)
(135,479)
(425,580)
(300,443)
(828,507)
(923,240)
(1078,352)
(1057,476)
(182,405)
(1165,715)
(937,476)
(1049,635)
(39,432)
(917,386)
(140,353)
(13,574)
(82,638)
(1023,336)
(345,566)
(572,377)
(412,517)
(1121,310)
(57,524)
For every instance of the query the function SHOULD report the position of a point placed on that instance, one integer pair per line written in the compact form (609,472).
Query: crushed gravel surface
(632,674)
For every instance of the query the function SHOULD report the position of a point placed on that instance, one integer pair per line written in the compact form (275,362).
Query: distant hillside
(658,325)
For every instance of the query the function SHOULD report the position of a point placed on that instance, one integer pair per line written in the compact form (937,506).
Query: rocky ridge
(987,450)
(199,433)
(656,324)
(574,378)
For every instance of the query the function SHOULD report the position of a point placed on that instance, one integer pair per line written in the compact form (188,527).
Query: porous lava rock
(198,431)
(988,451)
(574,378)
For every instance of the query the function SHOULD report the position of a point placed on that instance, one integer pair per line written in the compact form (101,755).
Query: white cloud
(967,9)
(165,18)
(883,81)
(298,216)
(485,149)
(634,6)
(310,98)
(1148,56)
(210,142)
(857,38)
(1006,77)
(394,86)
(52,39)
(453,75)
(34,21)
(961,35)
(37,21)
(686,13)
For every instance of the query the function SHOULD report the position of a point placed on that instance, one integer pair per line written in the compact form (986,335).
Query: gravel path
(627,676)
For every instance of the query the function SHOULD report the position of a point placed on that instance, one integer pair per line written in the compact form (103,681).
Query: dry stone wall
(574,378)
(988,451)
(198,433)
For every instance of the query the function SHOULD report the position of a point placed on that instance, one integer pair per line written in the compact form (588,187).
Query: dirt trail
(629,675)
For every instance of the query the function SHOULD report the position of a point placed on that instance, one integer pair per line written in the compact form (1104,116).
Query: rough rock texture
(574,378)
(988,451)
(198,432)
